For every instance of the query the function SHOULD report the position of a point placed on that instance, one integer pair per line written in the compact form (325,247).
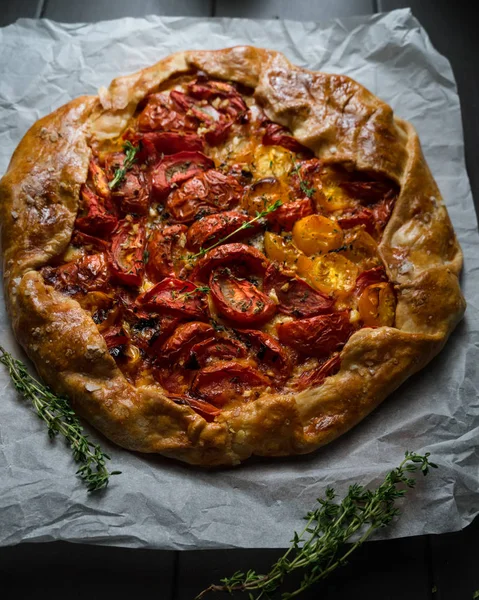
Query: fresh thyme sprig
(60,418)
(321,547)
(130,157)
(204,289)
(247,225)
(308,190)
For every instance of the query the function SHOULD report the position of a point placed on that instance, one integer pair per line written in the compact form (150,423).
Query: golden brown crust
(341,122)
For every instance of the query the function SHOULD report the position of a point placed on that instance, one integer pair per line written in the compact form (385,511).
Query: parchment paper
(161,504)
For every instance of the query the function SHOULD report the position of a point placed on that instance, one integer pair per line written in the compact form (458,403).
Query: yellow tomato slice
(280,250)
(377,305)
(332,274)
(316,234)
(361,249)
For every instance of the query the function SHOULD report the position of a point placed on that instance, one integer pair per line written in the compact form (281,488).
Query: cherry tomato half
(239,300)
(375,275)
(268,352)
(95,218)
(177,347)
(207,231)
(288,214)
(176,169)
(316,234)
(377,305)
(213,349)
(127,252)
(317,336)
(165,249)
(277,135)
(89,273)
(175,296)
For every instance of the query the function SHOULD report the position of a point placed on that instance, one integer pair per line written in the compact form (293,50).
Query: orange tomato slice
(316,234)
(331,273)
(279,249)
(377,305)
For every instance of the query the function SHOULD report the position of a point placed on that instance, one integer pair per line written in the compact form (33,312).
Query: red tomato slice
(241,256)
(213,349)
(176,169)
(225,381)
(166,142)
(239,300)
(277,135)
(95,219)
(205,192)
(203,408)
(133,193)
(286,215)
(367,278)
(99,180)
(360,216)
(295,296)
(89,242)
(159,115)
(233,104)
(368,192)
(217,133)
(316,376)
(164,251)
(382,210)
(185,336)
(153,332)
(115,336)
(317,336)
(89,273)
(207,231)
(177,381)
(127,252)
(184,103)
(175,296)
(267,351)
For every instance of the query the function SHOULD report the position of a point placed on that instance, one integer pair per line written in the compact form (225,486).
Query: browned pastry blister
(340,122)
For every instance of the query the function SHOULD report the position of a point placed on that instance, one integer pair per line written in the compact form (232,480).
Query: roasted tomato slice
(225,381)
(153,145)
(317,336)
(277,135)
(203,408)
(115,336)
(95,218)
(244,259)
(165,249)
(127,252)
(286,215)
(176,381)
(176,169)
(132,195)
(268,352)
(231,104)
(207,231)
(360,216)
(99,180)
(369,192)
(377,305)
(177,347)
(218,132)
(207,192)
(316,376)
(239,300)
(159,115)
(88,242)
(294,295)
(213,349)
(89,273)
(177,297)
(382,211)
(376,275)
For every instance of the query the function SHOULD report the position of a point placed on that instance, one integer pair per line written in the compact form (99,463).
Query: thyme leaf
(61,419)
(322,545)
(247,225)
(130,158)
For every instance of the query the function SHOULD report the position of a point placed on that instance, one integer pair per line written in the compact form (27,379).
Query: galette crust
(341,122)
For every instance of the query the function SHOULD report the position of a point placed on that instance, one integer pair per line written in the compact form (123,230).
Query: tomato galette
(225,255)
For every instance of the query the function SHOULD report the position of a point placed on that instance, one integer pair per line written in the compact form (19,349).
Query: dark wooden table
(442,567)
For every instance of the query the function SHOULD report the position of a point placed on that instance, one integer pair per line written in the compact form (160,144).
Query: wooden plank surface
(97,10)
(300,10)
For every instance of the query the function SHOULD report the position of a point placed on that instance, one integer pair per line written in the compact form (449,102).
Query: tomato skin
(126,254)
(99,180)
(218,132)
(382,211)
(207,231)
(153,145)
(234,105)
(296,297)
(317,234)
(177,347)
(177,297)
(366,278)
(316,376)
(236,254)
(89,273)
(89,242)
(176,169)
(203,408)
(115,336)
(268,351)
(360,216)
(277,135)
(132,195)
(164,252)
(239,300)
(213,349)
(377,305)
(96,219)
(206,192)
(317,336)
(159,115)
(368,192)
(286,215)
(225,381)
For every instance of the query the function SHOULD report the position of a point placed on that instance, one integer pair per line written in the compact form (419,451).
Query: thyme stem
(130,157)
(322,545)
(60,419)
